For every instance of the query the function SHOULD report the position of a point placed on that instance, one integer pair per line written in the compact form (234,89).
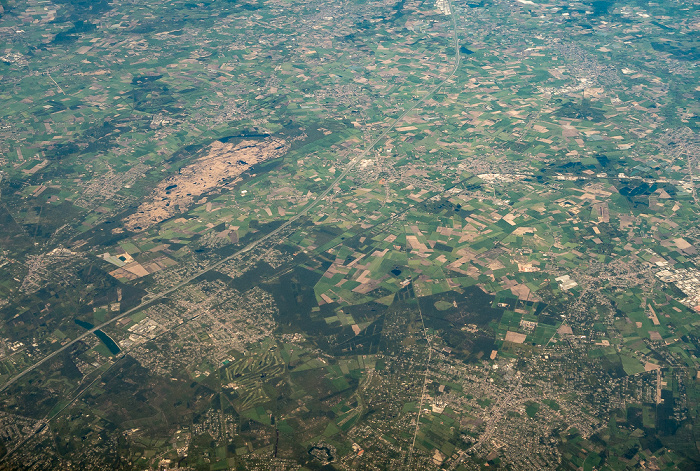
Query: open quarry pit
(221,164)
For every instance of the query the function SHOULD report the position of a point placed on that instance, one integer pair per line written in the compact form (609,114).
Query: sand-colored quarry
(222,163)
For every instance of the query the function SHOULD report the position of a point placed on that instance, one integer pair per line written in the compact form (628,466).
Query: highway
(348,168)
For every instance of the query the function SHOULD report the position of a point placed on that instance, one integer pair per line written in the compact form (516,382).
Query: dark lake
(243,136)
(106,339)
